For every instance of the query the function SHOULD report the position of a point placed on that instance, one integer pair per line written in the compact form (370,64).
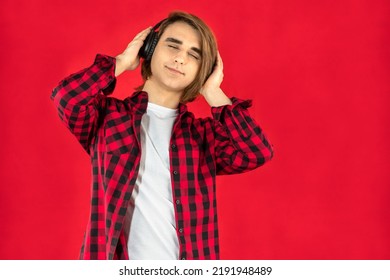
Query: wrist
(216,98)
(119,69)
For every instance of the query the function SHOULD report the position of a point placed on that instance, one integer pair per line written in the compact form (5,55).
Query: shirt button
(173,146)
(177,201)
(183,258)
(181,230)
(175,172)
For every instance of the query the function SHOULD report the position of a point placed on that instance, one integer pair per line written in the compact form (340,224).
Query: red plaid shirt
(109,130)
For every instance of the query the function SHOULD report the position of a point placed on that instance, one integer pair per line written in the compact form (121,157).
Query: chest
(123,133)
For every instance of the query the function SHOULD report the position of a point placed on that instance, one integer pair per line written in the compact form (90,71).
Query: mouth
(174,71)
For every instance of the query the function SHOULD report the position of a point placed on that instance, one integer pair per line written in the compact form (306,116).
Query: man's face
(177,57)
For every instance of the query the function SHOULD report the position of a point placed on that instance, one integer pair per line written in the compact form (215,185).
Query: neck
(161,96)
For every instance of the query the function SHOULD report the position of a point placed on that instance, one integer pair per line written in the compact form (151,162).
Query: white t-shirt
(151,217)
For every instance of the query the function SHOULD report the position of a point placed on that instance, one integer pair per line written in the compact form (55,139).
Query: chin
(175,87)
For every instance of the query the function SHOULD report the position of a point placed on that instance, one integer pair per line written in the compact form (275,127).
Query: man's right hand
(129,60)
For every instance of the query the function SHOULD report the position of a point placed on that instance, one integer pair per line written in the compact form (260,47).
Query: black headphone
(150,43)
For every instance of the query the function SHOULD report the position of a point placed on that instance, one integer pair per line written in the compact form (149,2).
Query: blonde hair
(208,48)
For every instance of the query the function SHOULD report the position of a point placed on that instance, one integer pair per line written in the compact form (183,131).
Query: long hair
(208,48)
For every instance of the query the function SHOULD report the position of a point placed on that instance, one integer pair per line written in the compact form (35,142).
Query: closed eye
(195,56)
(173,46)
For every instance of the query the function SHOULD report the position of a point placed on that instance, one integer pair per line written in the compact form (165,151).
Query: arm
(240,143)
(79,97)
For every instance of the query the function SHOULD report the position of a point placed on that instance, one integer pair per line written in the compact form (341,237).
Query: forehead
(183,32)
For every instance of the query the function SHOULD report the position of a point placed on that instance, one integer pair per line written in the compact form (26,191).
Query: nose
(180,58)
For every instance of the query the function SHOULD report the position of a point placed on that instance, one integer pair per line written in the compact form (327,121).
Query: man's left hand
(211,90)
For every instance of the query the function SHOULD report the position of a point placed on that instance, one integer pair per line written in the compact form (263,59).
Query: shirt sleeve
(79,98)
(240,144)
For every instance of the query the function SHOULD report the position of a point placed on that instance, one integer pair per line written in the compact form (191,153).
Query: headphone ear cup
(153,44)
(150,43)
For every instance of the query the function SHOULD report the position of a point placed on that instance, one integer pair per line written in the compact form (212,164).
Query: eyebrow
(176,41)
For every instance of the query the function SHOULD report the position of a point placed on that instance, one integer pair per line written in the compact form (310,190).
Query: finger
(219,61)
(140,38)
(143,33)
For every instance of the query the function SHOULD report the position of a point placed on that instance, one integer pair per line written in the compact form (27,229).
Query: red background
(318,72)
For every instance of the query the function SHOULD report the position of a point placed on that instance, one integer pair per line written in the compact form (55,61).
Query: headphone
(150,43)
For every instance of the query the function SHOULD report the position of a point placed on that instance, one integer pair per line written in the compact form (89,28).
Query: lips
(175,71)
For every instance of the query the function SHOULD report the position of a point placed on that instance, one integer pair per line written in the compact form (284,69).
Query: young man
(153,163)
